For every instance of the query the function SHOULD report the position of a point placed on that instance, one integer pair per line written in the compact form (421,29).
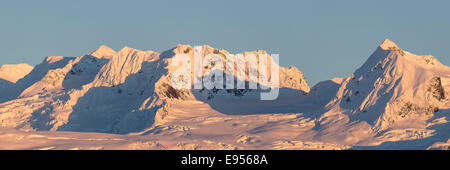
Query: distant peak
(388,44)
(53,59)
(103,51)
(14,72)
(182,46)
(20,65)
(104,48)
(127,50)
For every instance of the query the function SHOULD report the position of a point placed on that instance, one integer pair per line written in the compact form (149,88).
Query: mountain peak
(126,50)
(103,51)
(53,59)
(104,48)
(14,72)
(388,44)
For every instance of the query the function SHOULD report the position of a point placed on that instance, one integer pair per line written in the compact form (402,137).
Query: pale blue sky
(324,39)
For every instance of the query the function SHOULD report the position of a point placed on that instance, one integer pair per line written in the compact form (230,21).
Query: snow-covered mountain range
(395,100)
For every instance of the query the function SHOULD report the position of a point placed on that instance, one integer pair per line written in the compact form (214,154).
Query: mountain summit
(103,52)
(388,44)
(392,88)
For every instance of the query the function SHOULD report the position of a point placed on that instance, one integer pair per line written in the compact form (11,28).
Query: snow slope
(393,93)
(121,92)
(395,100)
(393,85)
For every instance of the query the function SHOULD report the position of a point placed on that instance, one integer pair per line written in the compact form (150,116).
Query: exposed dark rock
(172,93)
(436,88)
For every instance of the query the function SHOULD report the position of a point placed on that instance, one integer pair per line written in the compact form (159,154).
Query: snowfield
(124,100)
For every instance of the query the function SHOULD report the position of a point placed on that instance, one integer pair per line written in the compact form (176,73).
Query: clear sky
(324,39)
